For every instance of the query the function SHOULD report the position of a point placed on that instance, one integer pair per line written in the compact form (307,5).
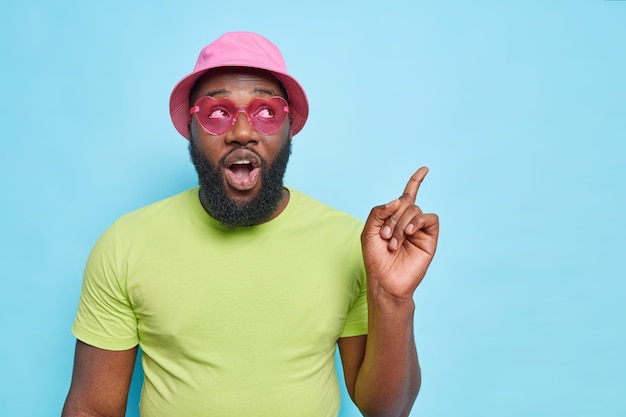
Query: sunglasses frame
(221,126)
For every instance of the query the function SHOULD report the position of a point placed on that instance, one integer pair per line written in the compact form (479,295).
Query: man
(239,291)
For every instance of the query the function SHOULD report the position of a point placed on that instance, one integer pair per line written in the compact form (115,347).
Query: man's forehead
(219,79)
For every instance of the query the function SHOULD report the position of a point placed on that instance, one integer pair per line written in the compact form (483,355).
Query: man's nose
(242,131)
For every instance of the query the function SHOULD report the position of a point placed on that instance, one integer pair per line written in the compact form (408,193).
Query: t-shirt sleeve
(105,317)
(356,321)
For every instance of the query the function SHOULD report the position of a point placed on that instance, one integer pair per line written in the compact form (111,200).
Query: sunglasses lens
(216,116)
(267,116)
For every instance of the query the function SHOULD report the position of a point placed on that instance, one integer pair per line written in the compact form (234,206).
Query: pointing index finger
(413,186)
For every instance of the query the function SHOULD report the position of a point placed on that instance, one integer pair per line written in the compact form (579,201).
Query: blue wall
(518,108)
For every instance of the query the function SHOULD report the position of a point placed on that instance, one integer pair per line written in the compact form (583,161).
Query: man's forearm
(389,378)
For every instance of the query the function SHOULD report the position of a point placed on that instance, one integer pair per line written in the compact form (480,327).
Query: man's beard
(232,213)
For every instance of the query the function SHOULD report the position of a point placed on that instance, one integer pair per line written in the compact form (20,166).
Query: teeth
(241,162)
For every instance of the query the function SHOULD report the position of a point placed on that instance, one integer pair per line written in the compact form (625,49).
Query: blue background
(518,108)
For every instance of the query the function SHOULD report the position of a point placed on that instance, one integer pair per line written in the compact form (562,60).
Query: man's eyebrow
(266,91)
(259,91)
(217,92)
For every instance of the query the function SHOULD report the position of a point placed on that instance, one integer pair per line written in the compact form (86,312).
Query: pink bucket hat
(239,49)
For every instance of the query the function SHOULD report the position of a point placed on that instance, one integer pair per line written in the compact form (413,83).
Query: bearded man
(239,291)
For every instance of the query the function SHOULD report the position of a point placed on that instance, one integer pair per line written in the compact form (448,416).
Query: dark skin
(382,373)
(100,381)
(399,242)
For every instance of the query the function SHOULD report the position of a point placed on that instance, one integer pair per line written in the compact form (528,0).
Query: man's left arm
(381,369)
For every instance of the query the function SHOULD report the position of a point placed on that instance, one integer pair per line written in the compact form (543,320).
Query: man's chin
(236,208)
(241,196)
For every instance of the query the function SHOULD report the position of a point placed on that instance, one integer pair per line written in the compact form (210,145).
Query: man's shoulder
(158,210)
(316,209)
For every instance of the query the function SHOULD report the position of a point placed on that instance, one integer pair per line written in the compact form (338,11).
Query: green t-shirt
(231,322)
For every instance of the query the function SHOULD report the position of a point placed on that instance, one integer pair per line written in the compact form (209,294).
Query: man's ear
(189,130)
(290,128)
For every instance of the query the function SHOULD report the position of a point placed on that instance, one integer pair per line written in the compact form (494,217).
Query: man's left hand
(399,242)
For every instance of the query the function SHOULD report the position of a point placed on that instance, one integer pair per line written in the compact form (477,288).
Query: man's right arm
(100,382)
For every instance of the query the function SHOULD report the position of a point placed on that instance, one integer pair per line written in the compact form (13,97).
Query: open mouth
(242,169)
